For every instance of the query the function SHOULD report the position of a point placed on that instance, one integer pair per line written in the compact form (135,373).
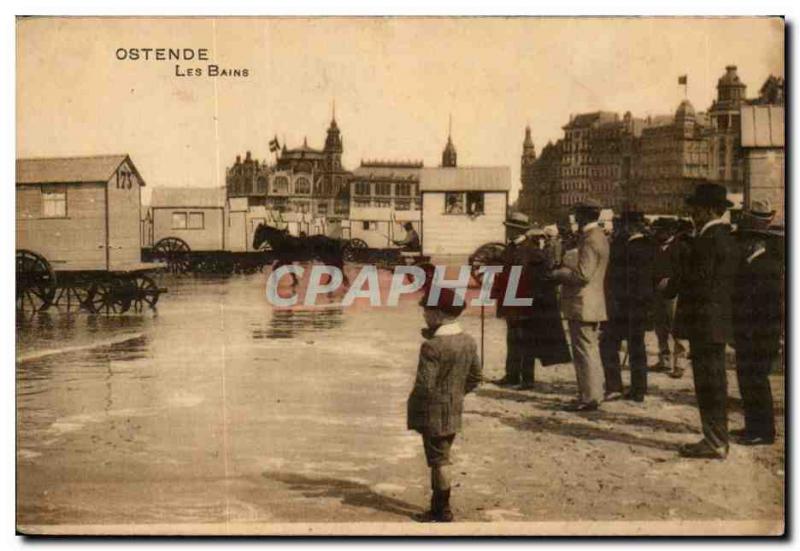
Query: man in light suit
(583,303)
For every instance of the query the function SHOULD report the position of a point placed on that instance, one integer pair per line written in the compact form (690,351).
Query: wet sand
(219,410)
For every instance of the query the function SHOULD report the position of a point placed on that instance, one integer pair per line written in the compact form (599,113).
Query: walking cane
(482,308)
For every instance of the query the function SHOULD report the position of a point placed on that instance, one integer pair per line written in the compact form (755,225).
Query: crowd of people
(699,283)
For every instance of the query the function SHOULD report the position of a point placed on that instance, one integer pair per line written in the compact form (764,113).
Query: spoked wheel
(490,254)
(72,295)
(355,249)
(175,252)
(36,282)
(144,292)
(110,296)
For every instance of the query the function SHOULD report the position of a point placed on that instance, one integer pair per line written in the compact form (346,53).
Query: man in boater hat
(757,322)
(705,314)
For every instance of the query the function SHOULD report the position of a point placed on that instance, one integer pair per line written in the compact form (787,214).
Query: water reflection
(288,323)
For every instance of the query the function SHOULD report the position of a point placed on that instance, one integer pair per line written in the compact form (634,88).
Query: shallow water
(214,408)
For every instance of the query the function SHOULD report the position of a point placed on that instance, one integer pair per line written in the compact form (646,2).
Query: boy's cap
(445,303)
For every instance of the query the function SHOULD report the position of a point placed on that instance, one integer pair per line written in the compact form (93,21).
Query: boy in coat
(448,369)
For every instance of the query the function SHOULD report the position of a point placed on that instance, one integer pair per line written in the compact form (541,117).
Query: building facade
(384,195)
(248,178)
(725,145)
(303,180)
(645,163)
(672,155)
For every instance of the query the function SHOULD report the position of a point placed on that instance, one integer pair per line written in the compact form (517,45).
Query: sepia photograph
(400,276)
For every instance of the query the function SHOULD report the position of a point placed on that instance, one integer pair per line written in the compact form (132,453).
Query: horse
(289,249)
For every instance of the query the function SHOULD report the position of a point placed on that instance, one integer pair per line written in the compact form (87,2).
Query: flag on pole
(274,145)
(683,79)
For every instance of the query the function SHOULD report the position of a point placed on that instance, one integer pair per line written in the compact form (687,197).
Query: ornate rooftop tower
(449,155)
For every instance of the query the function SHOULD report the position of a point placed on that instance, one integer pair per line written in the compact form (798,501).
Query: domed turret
(730,87)
(685,111)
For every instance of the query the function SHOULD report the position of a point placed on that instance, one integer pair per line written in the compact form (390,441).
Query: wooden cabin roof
(472,178)
(186,197)
(762,126)
(66,170)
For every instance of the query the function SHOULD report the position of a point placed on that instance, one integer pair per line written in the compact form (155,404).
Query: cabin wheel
(489,254)
(144,292)
(73,294)
(36,282)
(355,249)
(110,296)
(175,252)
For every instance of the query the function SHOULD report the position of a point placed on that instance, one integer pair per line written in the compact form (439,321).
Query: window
(383,203)
(322,208)
(402,204)
(362,202)
(474,202)
(369,225)
(403,190)
(454,202)
(280,184)
(54,202)
(362,188)
(196,221)
(261,185)
(383,188)
(178,220)
(302,185)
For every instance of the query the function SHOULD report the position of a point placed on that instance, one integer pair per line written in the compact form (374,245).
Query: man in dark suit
(535,331)
(670,256)
(448,368)
(757,324)
(629,288)
(705,314)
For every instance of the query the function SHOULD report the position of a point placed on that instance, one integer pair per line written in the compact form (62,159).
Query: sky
(395,83)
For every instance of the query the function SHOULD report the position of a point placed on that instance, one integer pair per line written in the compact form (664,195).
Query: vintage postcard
(400,276)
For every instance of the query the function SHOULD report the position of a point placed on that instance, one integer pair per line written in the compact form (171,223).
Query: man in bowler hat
(583,303)
(757,323)
(705,314)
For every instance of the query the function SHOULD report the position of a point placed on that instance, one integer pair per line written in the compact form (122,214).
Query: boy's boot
(440,509)
(445,514)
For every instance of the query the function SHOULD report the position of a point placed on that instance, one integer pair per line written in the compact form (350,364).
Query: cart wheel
(490,254)
(175,252)
(110,296)
(145,292)
(354,249)
(72,295)
(36,282)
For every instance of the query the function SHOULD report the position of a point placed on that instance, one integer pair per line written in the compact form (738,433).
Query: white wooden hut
(195,215)
(463,208)
(763,144)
